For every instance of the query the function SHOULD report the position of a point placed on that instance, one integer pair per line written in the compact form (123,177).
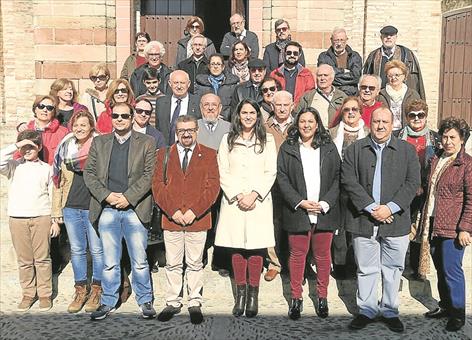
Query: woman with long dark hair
(247,164)
(308,169)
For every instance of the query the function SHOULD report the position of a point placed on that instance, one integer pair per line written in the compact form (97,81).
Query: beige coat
(59,195)
(243,171)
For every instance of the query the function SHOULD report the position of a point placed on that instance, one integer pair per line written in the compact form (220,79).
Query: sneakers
(93,301)
(45,304)
(26,303)
(148,310)
(80,297)
(102,312)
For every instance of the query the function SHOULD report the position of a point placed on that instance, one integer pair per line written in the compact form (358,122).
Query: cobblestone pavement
(271,323)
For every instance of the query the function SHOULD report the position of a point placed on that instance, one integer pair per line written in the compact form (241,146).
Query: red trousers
(299,244)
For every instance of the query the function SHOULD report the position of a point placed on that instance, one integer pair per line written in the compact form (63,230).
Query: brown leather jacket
(453,197)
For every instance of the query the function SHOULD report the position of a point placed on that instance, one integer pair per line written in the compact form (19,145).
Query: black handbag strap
(164,165)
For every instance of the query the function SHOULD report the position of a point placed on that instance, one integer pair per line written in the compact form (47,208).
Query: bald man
(239,33)
(180,103)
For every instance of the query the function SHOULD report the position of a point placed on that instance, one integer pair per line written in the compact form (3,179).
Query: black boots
(322,308)
(295,309)
(252,301)
(456,319)
(240,304)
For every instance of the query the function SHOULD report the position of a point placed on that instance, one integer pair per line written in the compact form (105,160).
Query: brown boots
(82,297)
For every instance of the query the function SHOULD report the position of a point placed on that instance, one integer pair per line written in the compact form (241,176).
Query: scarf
(339,139)
(74,158)
(241,70)
(281,44)
(396,96)
(216,82)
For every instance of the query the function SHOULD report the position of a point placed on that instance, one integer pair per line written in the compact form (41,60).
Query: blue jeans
(447,256)
(81,233)
(113,226)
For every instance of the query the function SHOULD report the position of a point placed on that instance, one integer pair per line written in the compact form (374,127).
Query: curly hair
(237,128)
(456,123)
(321,136)
(396,64)
(417,105)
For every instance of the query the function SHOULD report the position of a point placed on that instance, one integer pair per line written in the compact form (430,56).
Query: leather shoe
(394,324)
(252,301)
(240,303)
(196,316)
(270,275)
(322,309)
(360,321)
(168,312)
(437,313)
(454,324)
(295,309)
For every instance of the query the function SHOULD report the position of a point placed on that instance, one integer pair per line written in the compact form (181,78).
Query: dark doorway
(165,20)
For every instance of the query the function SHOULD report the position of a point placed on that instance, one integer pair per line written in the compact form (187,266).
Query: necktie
(211,125)
(185,160)
(175,115)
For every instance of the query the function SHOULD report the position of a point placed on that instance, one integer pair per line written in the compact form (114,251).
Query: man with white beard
(211,127)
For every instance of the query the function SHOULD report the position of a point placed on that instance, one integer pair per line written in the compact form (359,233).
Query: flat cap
(388,30)
(256,63)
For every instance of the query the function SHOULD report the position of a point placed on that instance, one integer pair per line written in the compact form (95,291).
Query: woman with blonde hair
(63,90)
(94,98)
(119,91)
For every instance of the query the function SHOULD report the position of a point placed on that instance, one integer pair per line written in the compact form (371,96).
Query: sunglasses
(120,91)
(100,77)
(195,26)
(183,131)
(267,89)
(48,107)
(349,109)
(281,29)
(122,116)
(416,115)
(294,53)
(141,111)
(365,87)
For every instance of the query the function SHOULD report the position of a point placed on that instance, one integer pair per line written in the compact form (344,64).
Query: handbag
(155,234)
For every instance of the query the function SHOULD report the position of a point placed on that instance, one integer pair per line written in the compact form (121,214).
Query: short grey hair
(155,44)
(338,30)
(205,40)
(377,78)
(282,93)
(330,67)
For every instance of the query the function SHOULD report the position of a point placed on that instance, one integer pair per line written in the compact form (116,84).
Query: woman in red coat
(447,219)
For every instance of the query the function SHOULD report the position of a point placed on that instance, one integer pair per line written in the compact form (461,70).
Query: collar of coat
(366,142)
(294,149)
(331,53)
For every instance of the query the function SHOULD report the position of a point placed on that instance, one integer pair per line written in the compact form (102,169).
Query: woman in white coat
(247,160)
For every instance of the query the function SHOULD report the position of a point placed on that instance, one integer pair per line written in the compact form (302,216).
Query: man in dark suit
(239,33)
(185,187)
(197,63)
(180,103)
(118,174)
(381,175)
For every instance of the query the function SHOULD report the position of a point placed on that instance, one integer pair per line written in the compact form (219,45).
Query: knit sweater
(30,189)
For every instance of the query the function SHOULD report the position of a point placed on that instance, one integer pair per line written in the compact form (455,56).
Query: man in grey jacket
(239,33)
(381,175)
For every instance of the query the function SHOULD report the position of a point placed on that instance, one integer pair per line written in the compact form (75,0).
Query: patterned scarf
(216,81)
(281,44)
(241,70)
(73,157)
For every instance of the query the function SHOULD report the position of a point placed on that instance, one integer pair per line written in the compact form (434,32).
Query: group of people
(217,149)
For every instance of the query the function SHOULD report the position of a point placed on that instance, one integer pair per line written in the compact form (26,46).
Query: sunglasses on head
(365,87)
(48,107)
(140,111)
(100,77)
(121,91)
(416,115)
(295,53)
(122,115)
(267,89)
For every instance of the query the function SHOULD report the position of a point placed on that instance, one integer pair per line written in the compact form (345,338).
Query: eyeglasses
(281,29)
(141,111)
(48,107)
(267,89)
(184,131)
(294,53)
(195,26)
(117,91)
(158,55)
(216,64)
(366,87)
(416,115)
(101,77)
(395,75)
(122,116)
(208,105)
(349,109)
(236,23)
(339,41)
